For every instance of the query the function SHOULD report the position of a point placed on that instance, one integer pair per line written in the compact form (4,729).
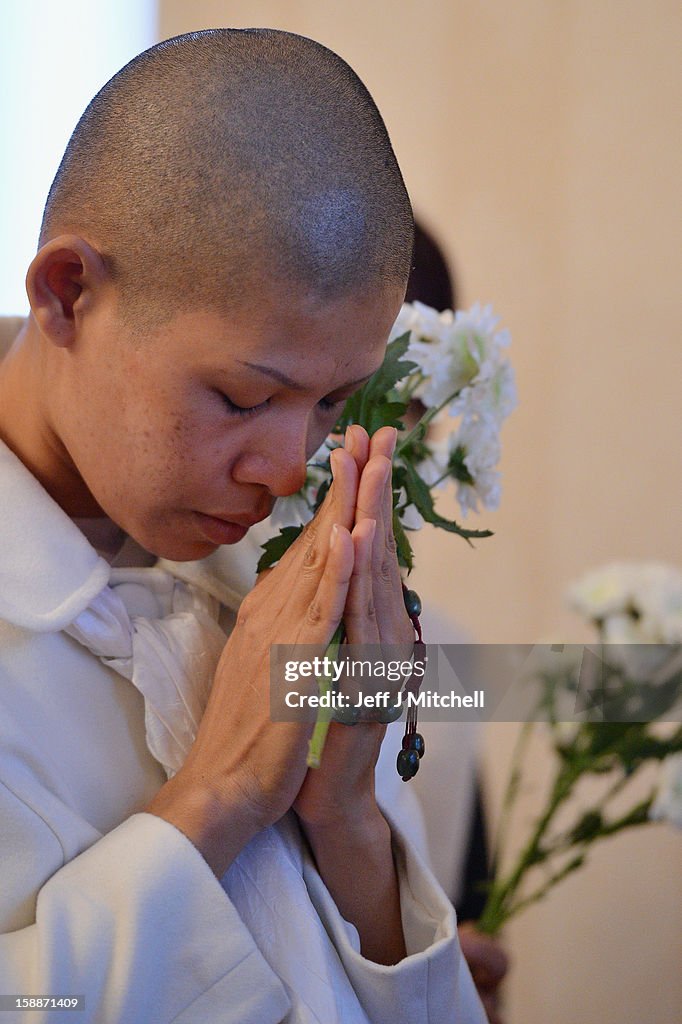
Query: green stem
(563,841)
(540,893)
(440,479)
(496,910)
(511,791)
(324,715)
(639,815)
(419,429)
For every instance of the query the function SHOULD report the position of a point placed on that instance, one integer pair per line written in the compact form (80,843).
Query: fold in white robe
(98,898)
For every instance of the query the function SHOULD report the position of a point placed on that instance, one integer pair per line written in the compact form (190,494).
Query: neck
(26,425)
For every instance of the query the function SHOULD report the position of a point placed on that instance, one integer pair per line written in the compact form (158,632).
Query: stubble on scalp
(219,160)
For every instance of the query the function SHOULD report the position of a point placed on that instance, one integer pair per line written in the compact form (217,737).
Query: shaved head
(221,159)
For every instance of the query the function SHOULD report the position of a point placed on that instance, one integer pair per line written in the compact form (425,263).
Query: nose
(278,461)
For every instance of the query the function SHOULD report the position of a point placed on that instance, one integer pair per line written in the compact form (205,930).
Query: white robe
(99,898)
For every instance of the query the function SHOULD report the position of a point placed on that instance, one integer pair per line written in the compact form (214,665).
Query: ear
(64,280)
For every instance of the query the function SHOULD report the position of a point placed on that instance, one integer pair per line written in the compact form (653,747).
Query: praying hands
(245,771)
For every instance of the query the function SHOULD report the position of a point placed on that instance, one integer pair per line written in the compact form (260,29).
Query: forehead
(304,340)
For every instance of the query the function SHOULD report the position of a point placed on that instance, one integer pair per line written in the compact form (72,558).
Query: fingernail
(332,539)
(395,439)
(348,440)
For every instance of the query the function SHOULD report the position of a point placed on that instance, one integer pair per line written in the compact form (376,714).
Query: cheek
(198,449)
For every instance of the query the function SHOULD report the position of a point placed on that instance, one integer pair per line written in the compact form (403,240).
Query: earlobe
(62,282)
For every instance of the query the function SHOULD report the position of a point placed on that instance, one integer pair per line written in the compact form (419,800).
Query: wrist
(360,824)
(218,823)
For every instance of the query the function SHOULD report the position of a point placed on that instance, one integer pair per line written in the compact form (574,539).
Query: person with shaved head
(224,250)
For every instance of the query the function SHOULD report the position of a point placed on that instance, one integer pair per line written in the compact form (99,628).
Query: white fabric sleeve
(140,926)
(432,984)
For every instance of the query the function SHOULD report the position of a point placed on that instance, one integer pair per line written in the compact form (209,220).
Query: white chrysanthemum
(492,398)
(485,488)
(668,803)
(451,350)
(433,468)
(657,595)
(294,510)
(602,592)
(479,444)
(422,321)
(635,602)
(476,445)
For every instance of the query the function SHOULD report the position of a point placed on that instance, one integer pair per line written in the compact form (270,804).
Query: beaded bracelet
(413,746)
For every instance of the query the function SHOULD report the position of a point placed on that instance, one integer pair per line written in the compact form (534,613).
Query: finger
(356,443)
(383,442)
(300,568)
(488,961)
(326,608)
(394,624)
(385,562)
(359,614)
(372,489)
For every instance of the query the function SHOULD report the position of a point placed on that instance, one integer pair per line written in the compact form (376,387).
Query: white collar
(49,572)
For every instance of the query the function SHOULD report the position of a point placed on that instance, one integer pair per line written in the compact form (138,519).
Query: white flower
(451,349)
(668,803)
(602,592)
(634,602)
(478,445)
(658,598)
(492,398)
(485,488)
(422,321)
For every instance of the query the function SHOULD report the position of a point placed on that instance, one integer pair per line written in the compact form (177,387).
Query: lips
(221,530)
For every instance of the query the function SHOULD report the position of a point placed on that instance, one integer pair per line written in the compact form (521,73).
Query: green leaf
(403,545)
(457,466)
(322,492)
(419,495)
(374,405)
(274,548)
(385,414)
(588,828)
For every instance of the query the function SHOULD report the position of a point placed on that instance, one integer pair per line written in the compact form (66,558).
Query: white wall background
(54,57)
(540,141)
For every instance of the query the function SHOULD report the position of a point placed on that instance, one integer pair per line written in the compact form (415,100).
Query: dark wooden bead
(348,716)
(416,742)
(407,764)
(391,713)
(413,602)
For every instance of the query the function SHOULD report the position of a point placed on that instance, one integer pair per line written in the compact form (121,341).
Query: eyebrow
(270,371)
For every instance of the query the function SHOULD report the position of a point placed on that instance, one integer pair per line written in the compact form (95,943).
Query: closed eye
(326,403)
(241,410)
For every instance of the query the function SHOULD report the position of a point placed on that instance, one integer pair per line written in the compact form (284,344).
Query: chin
(178,550)
(175,544)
